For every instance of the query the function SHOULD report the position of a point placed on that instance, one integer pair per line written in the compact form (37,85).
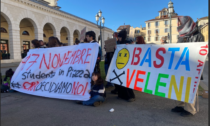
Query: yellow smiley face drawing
(122,58)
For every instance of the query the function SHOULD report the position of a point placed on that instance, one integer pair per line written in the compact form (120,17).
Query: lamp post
(170,12)
(102,20)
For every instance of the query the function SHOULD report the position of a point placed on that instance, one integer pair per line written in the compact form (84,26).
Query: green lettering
(160,84)
(147,80)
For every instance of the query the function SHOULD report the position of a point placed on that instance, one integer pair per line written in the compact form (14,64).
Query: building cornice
(53,10)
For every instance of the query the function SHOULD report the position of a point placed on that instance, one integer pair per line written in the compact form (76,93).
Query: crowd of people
(188,32)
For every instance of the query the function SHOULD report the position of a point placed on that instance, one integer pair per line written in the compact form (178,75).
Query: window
(166,30)
(4,47)
(25,33)
(149,38)
(166,22)
(156,31)
(149,31)
(156,23)
(3,30)
(44,35)
(148,24)
(157,38)
(164,13)
(66,38)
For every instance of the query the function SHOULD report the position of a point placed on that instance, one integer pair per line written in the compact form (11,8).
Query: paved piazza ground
(18,109)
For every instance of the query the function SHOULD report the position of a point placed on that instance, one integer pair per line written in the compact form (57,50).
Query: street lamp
(102,20)
(170,12)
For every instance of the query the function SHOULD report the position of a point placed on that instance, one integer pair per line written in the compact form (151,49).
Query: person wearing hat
(123,92)
(188,32)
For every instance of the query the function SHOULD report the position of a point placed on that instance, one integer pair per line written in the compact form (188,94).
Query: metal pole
(170,29)
(100,35)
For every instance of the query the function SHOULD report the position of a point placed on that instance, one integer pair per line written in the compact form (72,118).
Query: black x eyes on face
(124,55)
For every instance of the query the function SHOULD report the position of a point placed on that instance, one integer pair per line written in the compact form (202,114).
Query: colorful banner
(60,72)
(171,70)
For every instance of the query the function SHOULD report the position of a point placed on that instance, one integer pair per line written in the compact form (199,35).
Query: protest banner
(171,71)
(82,35)
(110,44)
(59,72)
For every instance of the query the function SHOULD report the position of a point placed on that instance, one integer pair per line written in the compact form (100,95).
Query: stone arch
(68,34)
(76,34)
(49,20)
(7,15)
(30,16)
(51,26)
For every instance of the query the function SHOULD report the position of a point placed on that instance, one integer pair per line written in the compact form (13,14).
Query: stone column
(58,35)
(71,40)
(14,43)
(39,34)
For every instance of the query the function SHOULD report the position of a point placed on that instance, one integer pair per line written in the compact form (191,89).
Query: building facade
(25,20)
(204,27)
(205,32)
(126,27)
(138,31)
(159,27)
(202,21)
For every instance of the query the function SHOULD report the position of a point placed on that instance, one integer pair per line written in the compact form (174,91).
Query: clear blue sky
(132,12)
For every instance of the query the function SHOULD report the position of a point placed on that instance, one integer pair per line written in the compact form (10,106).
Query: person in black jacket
(123,92)
(90,36)
(108,59)
(188,32)
(97,91)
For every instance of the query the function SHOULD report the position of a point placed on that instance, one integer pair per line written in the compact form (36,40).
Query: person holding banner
(123,92)
(90,36)
(53,42)
(140,40)
(97,91)
(35,43)
(188,32)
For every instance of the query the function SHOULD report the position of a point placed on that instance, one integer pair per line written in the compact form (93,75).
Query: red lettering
(159,57)
(59,59)
(139,80)
(43,59)
(199,70)
(88,54)
(85,89)
(26,60)
(129,81)
(200,63)
(72,56)
(77,56)
(203,53)
(56,61)
(196,77)
(74,90)
(33,61)
(136,56)
(82,54)
(30,86)
(204,46)
(196,82)
(81,90)
(67,58)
